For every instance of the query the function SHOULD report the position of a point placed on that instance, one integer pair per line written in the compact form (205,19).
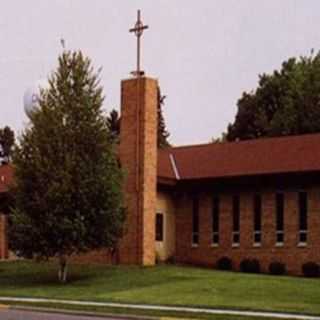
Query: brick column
(138,156)
(269,220)
(291,228)
(225,221)
(3,237)
(246,221)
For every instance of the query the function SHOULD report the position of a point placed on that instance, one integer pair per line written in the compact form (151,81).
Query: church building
(196,204)
(256,199)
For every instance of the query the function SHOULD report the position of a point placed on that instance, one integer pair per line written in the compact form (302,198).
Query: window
(303,217)
(159,227)
(257,219)
(215,220)
(236,220)
(195,222)
(279,218)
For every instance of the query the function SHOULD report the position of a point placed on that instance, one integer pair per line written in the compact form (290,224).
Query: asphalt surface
(29,315)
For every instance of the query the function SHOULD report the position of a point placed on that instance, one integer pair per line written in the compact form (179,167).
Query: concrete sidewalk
(191,310)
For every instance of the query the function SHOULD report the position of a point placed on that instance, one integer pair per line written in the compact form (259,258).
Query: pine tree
(68,197)
(113,123)
(163,134)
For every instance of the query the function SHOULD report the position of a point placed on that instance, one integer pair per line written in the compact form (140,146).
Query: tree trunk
(63,269)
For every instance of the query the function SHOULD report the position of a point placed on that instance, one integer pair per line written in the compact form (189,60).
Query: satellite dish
(32,95)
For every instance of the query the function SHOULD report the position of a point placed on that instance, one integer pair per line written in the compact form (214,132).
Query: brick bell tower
(138,156)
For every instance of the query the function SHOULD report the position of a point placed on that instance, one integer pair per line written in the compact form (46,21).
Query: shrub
(224,263)
(171,260)
(311,269)
(250,266)
(277,268)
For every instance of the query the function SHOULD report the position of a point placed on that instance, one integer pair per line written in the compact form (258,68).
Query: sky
(204,53)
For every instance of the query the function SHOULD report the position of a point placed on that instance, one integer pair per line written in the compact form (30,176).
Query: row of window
(257,219)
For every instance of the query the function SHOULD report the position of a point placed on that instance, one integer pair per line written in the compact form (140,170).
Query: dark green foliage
(250,266)
(224,263)
(6,143)
(68,195)
(113,123)
(311,269)
(277,268)
(163,134)
(286,102)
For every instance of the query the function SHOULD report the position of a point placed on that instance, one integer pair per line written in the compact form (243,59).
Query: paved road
(28,315)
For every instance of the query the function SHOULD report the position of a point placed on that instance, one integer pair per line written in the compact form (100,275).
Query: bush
(311,269)
(224,263)
(250,266)
(277,268)
(171,260)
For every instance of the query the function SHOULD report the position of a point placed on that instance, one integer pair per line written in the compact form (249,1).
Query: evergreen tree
(286,102)
(163,134)
(68,197)
(6,143)
(113,123)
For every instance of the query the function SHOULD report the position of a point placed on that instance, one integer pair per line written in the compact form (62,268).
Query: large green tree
(286,102)
(6,143)
(68,197)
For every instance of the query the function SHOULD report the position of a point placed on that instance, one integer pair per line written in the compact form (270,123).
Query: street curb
(81,313)
(187,310)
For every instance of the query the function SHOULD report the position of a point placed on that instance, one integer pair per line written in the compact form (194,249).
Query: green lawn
(166,285)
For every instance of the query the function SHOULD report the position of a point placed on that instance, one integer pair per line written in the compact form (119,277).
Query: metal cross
(138,30)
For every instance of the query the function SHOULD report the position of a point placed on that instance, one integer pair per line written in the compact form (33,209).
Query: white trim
(302,244)
(174,166)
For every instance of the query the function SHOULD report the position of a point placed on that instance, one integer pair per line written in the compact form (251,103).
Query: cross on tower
(138,30)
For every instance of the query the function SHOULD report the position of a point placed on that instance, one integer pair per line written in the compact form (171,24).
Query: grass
(165,285)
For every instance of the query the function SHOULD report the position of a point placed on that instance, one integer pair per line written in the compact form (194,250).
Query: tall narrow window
(236,220)
(279,219)
(159,227)
(195,221)
(215,220)
(257,219)
(303,217)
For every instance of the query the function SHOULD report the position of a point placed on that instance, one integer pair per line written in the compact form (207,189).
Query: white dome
(32,95)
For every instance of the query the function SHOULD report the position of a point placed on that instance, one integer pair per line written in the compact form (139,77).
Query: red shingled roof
(231,159)
(244,158)
(6,177)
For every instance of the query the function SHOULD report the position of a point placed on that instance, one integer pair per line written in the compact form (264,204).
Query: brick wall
(290,253)
(3,237)
(103,256)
